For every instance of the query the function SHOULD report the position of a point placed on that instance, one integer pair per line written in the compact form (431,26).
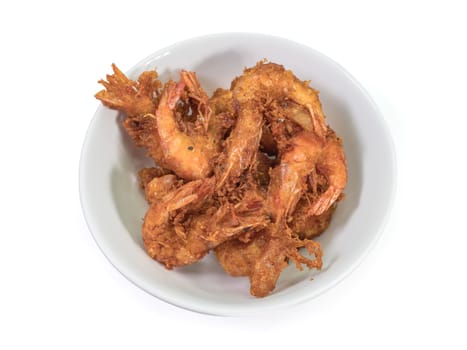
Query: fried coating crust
(238,258)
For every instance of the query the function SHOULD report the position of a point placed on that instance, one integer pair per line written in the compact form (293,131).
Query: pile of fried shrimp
(253,172)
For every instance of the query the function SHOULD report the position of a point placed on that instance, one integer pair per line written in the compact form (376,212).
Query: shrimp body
(238,258)
(152,123)
(270,81)
(241,146)
(162,240)
(288,181)
(187,156)
(262,82)
(243,142)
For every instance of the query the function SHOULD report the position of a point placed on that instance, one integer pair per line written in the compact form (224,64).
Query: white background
(59,292)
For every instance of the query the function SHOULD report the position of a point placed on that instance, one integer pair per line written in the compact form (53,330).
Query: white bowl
(114,206)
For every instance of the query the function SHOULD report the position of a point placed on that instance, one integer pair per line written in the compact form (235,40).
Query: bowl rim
(228,310)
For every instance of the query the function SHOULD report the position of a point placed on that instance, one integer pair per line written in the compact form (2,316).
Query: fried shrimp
(161,238)
(288,181)
(270,81)
(175,238)
(188,156)
(252,172)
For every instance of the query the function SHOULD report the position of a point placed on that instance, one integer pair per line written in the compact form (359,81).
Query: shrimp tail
(197,93)
(173,94)
(324,201)
(135,98)
(319,124)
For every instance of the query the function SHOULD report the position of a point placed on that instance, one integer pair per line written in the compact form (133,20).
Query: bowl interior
(114,206)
